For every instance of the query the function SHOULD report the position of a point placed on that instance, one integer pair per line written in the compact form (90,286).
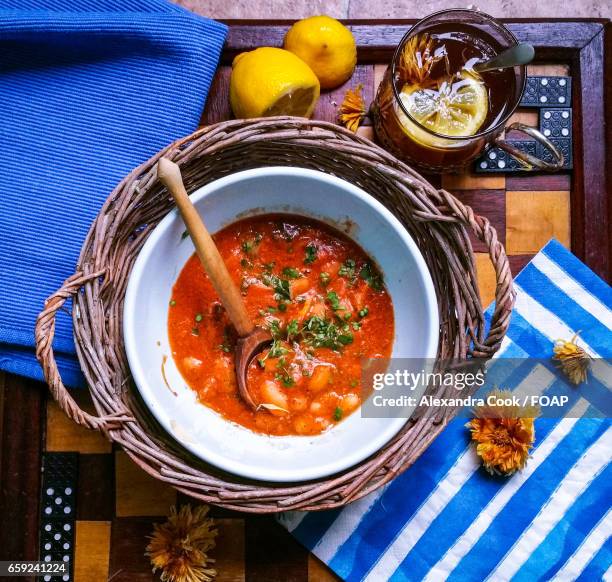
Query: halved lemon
(456,109)
(271,81)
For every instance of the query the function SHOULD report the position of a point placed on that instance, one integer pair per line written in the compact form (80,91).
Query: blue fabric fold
(89,89)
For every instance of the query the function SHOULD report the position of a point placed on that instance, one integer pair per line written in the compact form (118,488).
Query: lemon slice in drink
(454,109)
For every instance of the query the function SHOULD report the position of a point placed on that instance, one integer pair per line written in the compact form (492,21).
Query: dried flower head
(417,60)
(352,110)
(179,547)
(573,360)
(504,433)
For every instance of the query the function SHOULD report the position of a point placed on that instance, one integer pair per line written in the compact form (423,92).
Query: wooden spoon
(251,338)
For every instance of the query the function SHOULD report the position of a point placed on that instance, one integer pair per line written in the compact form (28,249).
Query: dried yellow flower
(179,547)
(573,360)
(417,60)
(504,434)
(352,110)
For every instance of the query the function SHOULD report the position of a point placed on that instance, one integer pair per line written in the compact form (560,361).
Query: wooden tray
(117,503)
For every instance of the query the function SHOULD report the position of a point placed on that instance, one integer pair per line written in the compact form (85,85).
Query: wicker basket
(438,222)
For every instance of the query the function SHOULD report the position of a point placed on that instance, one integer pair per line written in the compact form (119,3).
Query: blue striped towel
(89,89)
(447,519)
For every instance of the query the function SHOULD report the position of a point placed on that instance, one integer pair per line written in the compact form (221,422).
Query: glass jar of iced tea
(434,110)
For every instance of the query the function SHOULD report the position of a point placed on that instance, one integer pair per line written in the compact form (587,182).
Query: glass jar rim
(498,25)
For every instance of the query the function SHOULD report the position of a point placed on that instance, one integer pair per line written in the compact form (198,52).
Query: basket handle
(44,332)
(504,290)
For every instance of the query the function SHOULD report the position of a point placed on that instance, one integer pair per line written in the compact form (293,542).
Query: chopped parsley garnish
(248,246)
(172,302)
(334,300)
(293,329)
(324,278)
(324,333)
(286,379)
(274,327)
(246,264)
(280,286)
(291,273)
(311,254)
(356,325)
(363,312)
(267,267)
(277,350)
(347,269)
(371,277)
(282,306)
(338,414)
(198,317)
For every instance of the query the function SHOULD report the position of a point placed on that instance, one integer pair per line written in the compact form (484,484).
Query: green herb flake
(280,286)
(184,235)
(199,317)
(291,273)
(356,325)
(267,267)
(274,328)
(277,350)
(293,329)
(354,382)
(334,300)
(371,277)
(286,380)
(347,270)
(363,312)
(338,414)
(324,333)
(311,254)
(324,278)
(282,306)
(172,302)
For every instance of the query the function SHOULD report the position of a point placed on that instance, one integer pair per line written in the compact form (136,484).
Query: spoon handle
(519,54)
(169,174)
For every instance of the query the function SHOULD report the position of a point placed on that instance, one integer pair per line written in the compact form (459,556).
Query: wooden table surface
(117,503)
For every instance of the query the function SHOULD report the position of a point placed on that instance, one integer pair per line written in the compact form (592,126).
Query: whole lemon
(327,46)
(271,81)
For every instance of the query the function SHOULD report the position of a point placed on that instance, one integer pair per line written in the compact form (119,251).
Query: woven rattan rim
(438,222)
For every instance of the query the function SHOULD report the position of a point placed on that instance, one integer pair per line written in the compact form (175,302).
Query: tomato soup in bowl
(333,276)
(325,304)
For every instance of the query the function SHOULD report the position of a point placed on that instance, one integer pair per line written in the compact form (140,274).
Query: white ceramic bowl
(260,191)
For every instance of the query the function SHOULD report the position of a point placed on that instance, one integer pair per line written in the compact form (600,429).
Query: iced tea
(432,107)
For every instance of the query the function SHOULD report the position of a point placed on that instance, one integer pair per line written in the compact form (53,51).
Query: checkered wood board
(117,503)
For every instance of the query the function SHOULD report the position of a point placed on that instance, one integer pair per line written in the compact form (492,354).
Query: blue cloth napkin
(447,519)
(89,89)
